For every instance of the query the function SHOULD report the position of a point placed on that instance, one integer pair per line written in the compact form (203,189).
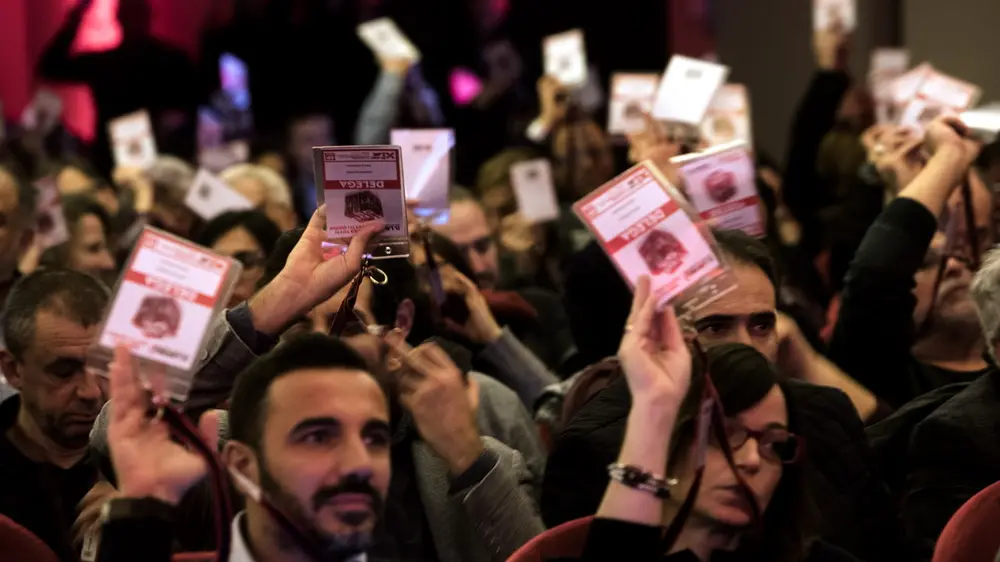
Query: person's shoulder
(979,398)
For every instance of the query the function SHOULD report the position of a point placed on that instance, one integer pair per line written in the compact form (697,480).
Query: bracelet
(635,477)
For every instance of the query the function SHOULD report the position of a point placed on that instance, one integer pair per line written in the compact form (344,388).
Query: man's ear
(11,370)
(404,317)
(240,458)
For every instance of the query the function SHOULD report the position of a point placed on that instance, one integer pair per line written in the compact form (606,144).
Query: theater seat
(971,534)
(565,541)
(20,545)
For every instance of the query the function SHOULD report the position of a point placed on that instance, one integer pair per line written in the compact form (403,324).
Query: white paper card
(983,121)
(938,94)
(886,66)
(721,184)
(645,232)
(50,223)
(132,140)
(165,300)
(534,191)
(43,113)
(835,14)
(728,116)
(384,37)
(361,184)
(687,89)
(906,86)
(209,196)
(566,57)
(427,170)
(218,158)
(632,96)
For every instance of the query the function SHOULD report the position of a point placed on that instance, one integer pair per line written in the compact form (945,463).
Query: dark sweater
(875,330)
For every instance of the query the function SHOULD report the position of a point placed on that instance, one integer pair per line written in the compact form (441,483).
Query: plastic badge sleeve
(427,155)
(566,57)
(721,184)
(728,116)
(132,140)
(164,304)
(647,228)
(632,97)
(359,184)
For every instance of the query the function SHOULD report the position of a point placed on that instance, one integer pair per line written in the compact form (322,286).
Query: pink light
(100,30)
(465,86)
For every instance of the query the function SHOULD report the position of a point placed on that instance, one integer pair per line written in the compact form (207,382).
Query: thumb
(208,426)
(356,249)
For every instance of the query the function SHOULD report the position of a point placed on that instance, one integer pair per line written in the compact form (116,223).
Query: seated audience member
(894,333)
(246,236)
(854,514)
(50,319)
(306,130)
(660,440)
(953,452)
(266,190)
(309,429)
(17,210)
(88,249)
(468,227)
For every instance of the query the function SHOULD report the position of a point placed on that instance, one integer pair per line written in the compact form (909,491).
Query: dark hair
(247,406)
(744,249)
(255,222)
(69,294)
(74,208)
(403,283)
(743,377)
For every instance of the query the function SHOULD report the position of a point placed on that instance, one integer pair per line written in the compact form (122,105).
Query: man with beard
(894,333)
(309,433)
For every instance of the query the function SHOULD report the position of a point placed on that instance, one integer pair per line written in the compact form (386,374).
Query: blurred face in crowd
(720,502)
(305,133)
(88,249)
(953,306)
(71,180)
(60,396)
(15,237)
(240,245)
(469,229)
(746,315)
(324,455)
(584,148)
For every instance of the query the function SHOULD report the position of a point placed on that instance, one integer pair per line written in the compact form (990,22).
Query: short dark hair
(248,404)
(70,294)
(264,231)
(74,208)
(744,249)
(403,282)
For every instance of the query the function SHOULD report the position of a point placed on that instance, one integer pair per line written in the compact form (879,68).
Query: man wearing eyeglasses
(469,229)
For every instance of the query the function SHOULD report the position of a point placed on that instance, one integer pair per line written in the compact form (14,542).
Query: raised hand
(653,353)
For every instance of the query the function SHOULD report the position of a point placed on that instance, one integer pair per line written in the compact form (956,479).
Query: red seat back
(21,545)
(970,535)
(194,557)
(565,541)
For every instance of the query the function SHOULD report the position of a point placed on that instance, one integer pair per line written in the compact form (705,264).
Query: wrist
(655,407)
(269,308)
(467,448)
(141,491)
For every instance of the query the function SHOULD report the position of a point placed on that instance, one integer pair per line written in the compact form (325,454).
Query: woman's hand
(653,353)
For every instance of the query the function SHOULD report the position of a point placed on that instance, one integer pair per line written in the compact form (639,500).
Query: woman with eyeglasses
(246,236)
(654,474)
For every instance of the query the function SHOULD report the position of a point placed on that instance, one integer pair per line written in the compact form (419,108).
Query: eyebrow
(63,364)
(729,318)
(377,425)
(316,423)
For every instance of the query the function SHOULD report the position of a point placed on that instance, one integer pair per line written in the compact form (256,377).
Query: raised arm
(56,63)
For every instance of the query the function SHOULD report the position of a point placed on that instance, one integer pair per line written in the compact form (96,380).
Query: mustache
(350,485)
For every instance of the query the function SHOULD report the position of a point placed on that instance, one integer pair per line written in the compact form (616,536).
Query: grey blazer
(486,522)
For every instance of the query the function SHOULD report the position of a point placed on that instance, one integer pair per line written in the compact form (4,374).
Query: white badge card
(534,191)
(906,86)
(728,116)
(632,97)
(50,223)
(721,184)
(427,169)
(217,158)
(887,66)
(983,122)
(566,58)
(384,37)
(639,220)
(835,14)
(132,140)
(209,197)
(360,184)
(687,89)
(939,94)
(163,306)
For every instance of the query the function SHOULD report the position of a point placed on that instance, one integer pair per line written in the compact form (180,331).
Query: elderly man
(266,190)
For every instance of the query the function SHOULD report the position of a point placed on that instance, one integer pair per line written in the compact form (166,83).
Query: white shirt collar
(240,552)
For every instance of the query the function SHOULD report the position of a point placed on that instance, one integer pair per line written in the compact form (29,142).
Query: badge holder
(721,185)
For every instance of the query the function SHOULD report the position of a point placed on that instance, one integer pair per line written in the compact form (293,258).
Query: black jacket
(954,454)
(854,502)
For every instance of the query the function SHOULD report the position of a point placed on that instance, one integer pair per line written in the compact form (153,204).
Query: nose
(955,267)
(742,335)
(355,459)
(747,457)
(89,388)
(105,262)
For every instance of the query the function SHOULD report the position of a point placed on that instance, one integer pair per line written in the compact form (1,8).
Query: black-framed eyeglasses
(250,259)
(773,443)
(480,246)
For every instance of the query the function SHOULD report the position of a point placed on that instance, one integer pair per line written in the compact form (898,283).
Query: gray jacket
(486,522)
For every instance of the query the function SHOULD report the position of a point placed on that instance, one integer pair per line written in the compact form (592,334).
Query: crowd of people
(837,405)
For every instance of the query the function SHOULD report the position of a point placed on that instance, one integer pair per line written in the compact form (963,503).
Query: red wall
(26,26)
